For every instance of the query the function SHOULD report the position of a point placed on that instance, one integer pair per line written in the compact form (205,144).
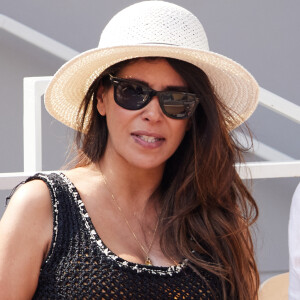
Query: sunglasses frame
(149,93)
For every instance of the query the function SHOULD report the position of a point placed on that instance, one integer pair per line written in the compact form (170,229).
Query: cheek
(117,118)
(181,127)
(179,130)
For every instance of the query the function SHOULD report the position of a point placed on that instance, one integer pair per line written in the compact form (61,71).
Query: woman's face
(143,138)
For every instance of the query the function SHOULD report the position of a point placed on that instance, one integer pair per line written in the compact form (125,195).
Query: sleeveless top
(80,266)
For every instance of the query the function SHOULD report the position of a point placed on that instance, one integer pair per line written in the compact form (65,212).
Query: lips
(149,140)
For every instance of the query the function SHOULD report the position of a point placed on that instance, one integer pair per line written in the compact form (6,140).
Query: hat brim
(234,85)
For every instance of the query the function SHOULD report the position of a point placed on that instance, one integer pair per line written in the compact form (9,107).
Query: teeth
(148,139)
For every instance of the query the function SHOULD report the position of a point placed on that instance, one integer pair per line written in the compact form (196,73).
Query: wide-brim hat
(151,28)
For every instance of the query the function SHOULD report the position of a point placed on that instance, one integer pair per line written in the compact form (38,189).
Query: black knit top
(80,266)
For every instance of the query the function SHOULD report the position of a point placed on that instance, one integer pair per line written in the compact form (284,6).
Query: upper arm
(25,236)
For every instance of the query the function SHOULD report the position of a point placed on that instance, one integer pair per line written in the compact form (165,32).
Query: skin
(131,160)
(122,145)
(25,235)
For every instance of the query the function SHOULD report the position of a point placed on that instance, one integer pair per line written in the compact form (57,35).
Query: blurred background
(263,36)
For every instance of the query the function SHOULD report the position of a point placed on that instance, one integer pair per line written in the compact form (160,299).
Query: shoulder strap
(55,186)
(64,214)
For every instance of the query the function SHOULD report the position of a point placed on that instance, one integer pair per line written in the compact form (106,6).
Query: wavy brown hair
(206,210)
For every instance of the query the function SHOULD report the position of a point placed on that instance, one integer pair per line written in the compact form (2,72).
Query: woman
(154,207)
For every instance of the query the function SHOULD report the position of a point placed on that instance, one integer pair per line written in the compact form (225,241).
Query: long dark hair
(206,210)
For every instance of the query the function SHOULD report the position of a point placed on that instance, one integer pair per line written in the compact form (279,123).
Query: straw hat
(151,28)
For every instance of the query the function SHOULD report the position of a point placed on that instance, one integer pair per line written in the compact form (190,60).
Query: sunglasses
(133,96)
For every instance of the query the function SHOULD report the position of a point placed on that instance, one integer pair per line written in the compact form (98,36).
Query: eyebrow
(174,88)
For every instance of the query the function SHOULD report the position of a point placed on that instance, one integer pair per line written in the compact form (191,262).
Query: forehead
(154,71)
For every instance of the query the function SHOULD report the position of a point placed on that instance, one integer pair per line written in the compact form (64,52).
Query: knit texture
(80,266)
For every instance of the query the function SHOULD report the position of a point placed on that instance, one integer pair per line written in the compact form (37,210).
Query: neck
(131,186)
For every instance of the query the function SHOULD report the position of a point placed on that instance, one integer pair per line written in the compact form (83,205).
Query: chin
(148,164)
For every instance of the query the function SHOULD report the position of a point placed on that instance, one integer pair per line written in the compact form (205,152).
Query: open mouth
(148,139)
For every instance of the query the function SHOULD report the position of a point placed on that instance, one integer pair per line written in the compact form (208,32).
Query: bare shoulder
(87,181)
(84,178)
(29,209)
(31,197)
(25,233)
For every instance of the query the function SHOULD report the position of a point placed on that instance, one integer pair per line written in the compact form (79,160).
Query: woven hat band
(163,23)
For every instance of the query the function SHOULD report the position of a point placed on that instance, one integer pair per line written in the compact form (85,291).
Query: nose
(152,111)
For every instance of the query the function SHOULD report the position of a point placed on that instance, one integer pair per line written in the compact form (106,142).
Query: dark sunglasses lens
(178,105)
(130,95)
(133,96)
